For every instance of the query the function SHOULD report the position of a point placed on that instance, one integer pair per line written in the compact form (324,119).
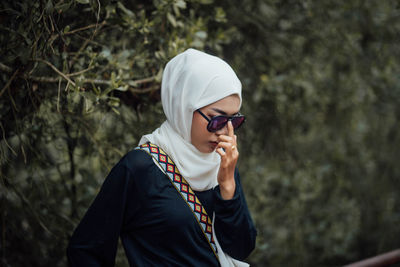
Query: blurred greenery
(79,85)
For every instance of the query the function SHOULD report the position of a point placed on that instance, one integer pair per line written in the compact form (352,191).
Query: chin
(205,148)
(211,149)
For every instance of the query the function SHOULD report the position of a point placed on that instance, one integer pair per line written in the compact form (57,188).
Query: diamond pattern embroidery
(177,178)
(162,158)
(191,198)
(197,208)
(186,192)
(170,168)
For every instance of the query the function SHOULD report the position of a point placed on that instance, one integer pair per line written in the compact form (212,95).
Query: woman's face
(201,138)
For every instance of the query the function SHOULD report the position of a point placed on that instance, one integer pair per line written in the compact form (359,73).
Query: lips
(213,143)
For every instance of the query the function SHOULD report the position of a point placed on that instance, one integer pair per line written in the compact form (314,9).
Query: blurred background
(319,153)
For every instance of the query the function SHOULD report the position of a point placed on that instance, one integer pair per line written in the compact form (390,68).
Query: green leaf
(82,1)
(206,2)
(116,110)
(159,75)
(122,88)
(49,7)
(125,10)
(66,29)
(181,4)
(201,34)
(171,19)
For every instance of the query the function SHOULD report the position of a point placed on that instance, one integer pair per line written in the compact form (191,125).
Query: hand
(229,157)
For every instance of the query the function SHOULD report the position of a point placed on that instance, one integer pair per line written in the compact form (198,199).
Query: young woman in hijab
(193,213)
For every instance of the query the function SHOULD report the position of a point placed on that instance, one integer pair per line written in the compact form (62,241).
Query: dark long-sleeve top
(138,203)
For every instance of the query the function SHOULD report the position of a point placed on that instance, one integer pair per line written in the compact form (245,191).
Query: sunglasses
(218,122)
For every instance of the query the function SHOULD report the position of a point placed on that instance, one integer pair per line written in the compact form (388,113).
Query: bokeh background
(79,85)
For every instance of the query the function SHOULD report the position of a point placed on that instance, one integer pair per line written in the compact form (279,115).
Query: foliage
(324,83)
(80,84)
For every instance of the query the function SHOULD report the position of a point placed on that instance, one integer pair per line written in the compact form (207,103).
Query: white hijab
(192,80)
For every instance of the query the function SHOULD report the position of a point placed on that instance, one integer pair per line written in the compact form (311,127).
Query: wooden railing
(381,260)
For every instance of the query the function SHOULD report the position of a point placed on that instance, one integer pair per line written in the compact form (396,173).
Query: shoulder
(137,159)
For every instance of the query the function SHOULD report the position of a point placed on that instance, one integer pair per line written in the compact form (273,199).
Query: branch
(80,72)
(85,28)
(71,146)
(47,79)
(108,82)
(5,68)
(145,80)
(8,83)
(27,203)
(146,90)
(98,27)
(5,140)
(56,70)
(55,36)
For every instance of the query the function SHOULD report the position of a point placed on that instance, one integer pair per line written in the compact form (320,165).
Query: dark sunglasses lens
(217,123)
(237,121)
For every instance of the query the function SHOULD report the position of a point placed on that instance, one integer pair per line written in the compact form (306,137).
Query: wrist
(227,189)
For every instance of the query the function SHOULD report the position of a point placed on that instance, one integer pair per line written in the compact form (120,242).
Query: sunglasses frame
(230,118)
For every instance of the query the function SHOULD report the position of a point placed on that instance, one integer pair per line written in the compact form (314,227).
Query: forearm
(227,189)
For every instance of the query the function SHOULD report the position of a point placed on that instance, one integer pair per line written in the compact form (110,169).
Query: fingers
(230,129)
(229,155)
(220,151)
(225,148)
(231,137)
(227,142)
(228,152)
(228,139)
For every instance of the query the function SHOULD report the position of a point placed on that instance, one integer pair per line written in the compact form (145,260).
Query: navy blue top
(138,203)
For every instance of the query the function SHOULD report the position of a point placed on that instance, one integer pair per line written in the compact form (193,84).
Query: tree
(80,85)
(322,88)
(318,154)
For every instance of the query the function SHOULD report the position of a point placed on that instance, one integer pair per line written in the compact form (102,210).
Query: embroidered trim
(182,186)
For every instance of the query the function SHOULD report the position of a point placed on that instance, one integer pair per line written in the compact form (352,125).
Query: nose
(223,130)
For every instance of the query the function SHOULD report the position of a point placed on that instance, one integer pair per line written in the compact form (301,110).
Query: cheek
(199,129)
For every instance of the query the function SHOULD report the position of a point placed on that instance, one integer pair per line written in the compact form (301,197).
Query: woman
(159,218)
